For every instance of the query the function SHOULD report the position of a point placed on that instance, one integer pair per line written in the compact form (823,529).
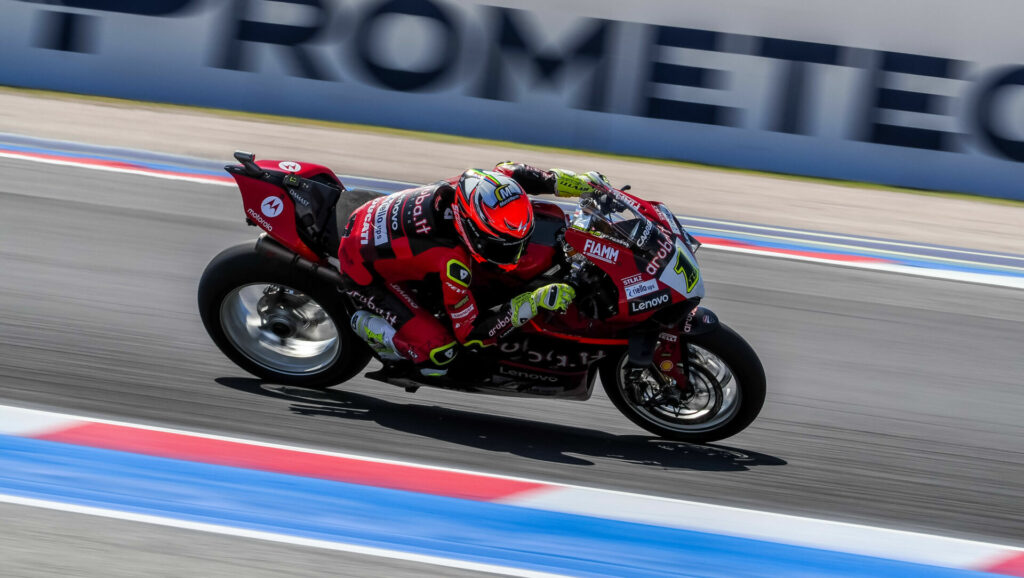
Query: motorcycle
(278,307)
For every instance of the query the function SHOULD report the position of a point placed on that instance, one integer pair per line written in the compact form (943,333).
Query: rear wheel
(724,393)
(278,325)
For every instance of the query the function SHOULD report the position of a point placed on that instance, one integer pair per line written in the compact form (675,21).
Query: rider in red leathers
(433,237)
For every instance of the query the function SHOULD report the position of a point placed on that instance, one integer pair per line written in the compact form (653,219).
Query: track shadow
(526,438)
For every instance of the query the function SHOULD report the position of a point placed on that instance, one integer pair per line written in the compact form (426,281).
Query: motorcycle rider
(441,231)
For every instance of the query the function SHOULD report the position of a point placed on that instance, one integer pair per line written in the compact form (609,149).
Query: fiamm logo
(600,251)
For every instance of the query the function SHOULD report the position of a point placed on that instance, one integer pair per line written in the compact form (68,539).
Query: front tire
(276,323)
(726,391)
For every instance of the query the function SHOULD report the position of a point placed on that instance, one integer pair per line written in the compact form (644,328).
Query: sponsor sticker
(364,232)
(298,198)
(650,303)
(263,222)
(646,235)
(640,289)
(272,206)
(505,195)
(290,166)
(419,218)
(665,247)
(396,211)
(601,251)
(404,296)
(370,304)
(501,324)
(380,229)
(513,372)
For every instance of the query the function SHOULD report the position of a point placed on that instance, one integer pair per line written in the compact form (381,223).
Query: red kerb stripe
(298,463)
(1012,566)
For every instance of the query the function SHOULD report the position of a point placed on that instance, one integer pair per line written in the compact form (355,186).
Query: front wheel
(280,326)
(725,392)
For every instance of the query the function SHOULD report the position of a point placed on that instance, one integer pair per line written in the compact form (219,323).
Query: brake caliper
(670,360)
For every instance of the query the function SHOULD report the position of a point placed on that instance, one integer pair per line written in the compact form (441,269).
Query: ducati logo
(272,206)
(290,166)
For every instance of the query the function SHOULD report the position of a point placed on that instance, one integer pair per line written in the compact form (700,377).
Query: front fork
(671,361)
(669,367)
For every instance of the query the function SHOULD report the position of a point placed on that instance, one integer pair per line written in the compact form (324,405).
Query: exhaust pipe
(270,249)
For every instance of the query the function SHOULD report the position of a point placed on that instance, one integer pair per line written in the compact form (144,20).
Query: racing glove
(553,297)
(569,184)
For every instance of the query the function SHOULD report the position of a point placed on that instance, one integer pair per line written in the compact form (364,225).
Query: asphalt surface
(893,400)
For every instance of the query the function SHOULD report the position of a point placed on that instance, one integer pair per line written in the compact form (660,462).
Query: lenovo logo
(649,304)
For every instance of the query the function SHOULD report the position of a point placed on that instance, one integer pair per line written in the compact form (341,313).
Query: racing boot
(377,333)
(380,335)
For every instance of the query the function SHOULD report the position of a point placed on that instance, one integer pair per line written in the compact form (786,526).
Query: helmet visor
(497,251)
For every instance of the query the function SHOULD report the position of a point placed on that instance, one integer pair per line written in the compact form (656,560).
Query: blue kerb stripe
(406,521)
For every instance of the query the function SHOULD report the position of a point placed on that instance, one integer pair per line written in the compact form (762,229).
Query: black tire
(242,265)
(746,369)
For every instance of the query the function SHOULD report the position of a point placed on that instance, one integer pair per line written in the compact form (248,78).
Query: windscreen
(606,215)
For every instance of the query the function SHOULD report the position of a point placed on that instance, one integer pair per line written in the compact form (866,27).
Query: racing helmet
(493,216)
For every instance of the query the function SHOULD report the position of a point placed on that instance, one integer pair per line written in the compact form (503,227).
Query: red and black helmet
(493,216)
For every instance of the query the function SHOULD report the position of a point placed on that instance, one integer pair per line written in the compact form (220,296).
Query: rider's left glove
(553,297)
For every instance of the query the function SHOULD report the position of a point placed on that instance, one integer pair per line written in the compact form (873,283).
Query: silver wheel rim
(280,329)
(714,400)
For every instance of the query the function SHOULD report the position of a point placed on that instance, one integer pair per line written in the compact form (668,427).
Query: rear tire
(279,324)
(727,411)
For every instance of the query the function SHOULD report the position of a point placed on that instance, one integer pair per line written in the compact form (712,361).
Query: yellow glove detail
(554,297)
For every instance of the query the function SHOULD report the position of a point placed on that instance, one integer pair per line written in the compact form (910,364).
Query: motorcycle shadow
(542,441)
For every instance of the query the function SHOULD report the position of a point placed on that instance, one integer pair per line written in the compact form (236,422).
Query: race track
(894,401)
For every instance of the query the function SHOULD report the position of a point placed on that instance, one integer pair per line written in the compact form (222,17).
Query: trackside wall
(918,93)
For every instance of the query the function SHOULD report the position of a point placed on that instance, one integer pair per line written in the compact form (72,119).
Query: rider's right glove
(553,297)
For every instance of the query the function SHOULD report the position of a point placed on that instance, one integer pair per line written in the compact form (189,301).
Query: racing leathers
(399,248)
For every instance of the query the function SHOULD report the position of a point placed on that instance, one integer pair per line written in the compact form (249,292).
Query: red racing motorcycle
(278,307)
